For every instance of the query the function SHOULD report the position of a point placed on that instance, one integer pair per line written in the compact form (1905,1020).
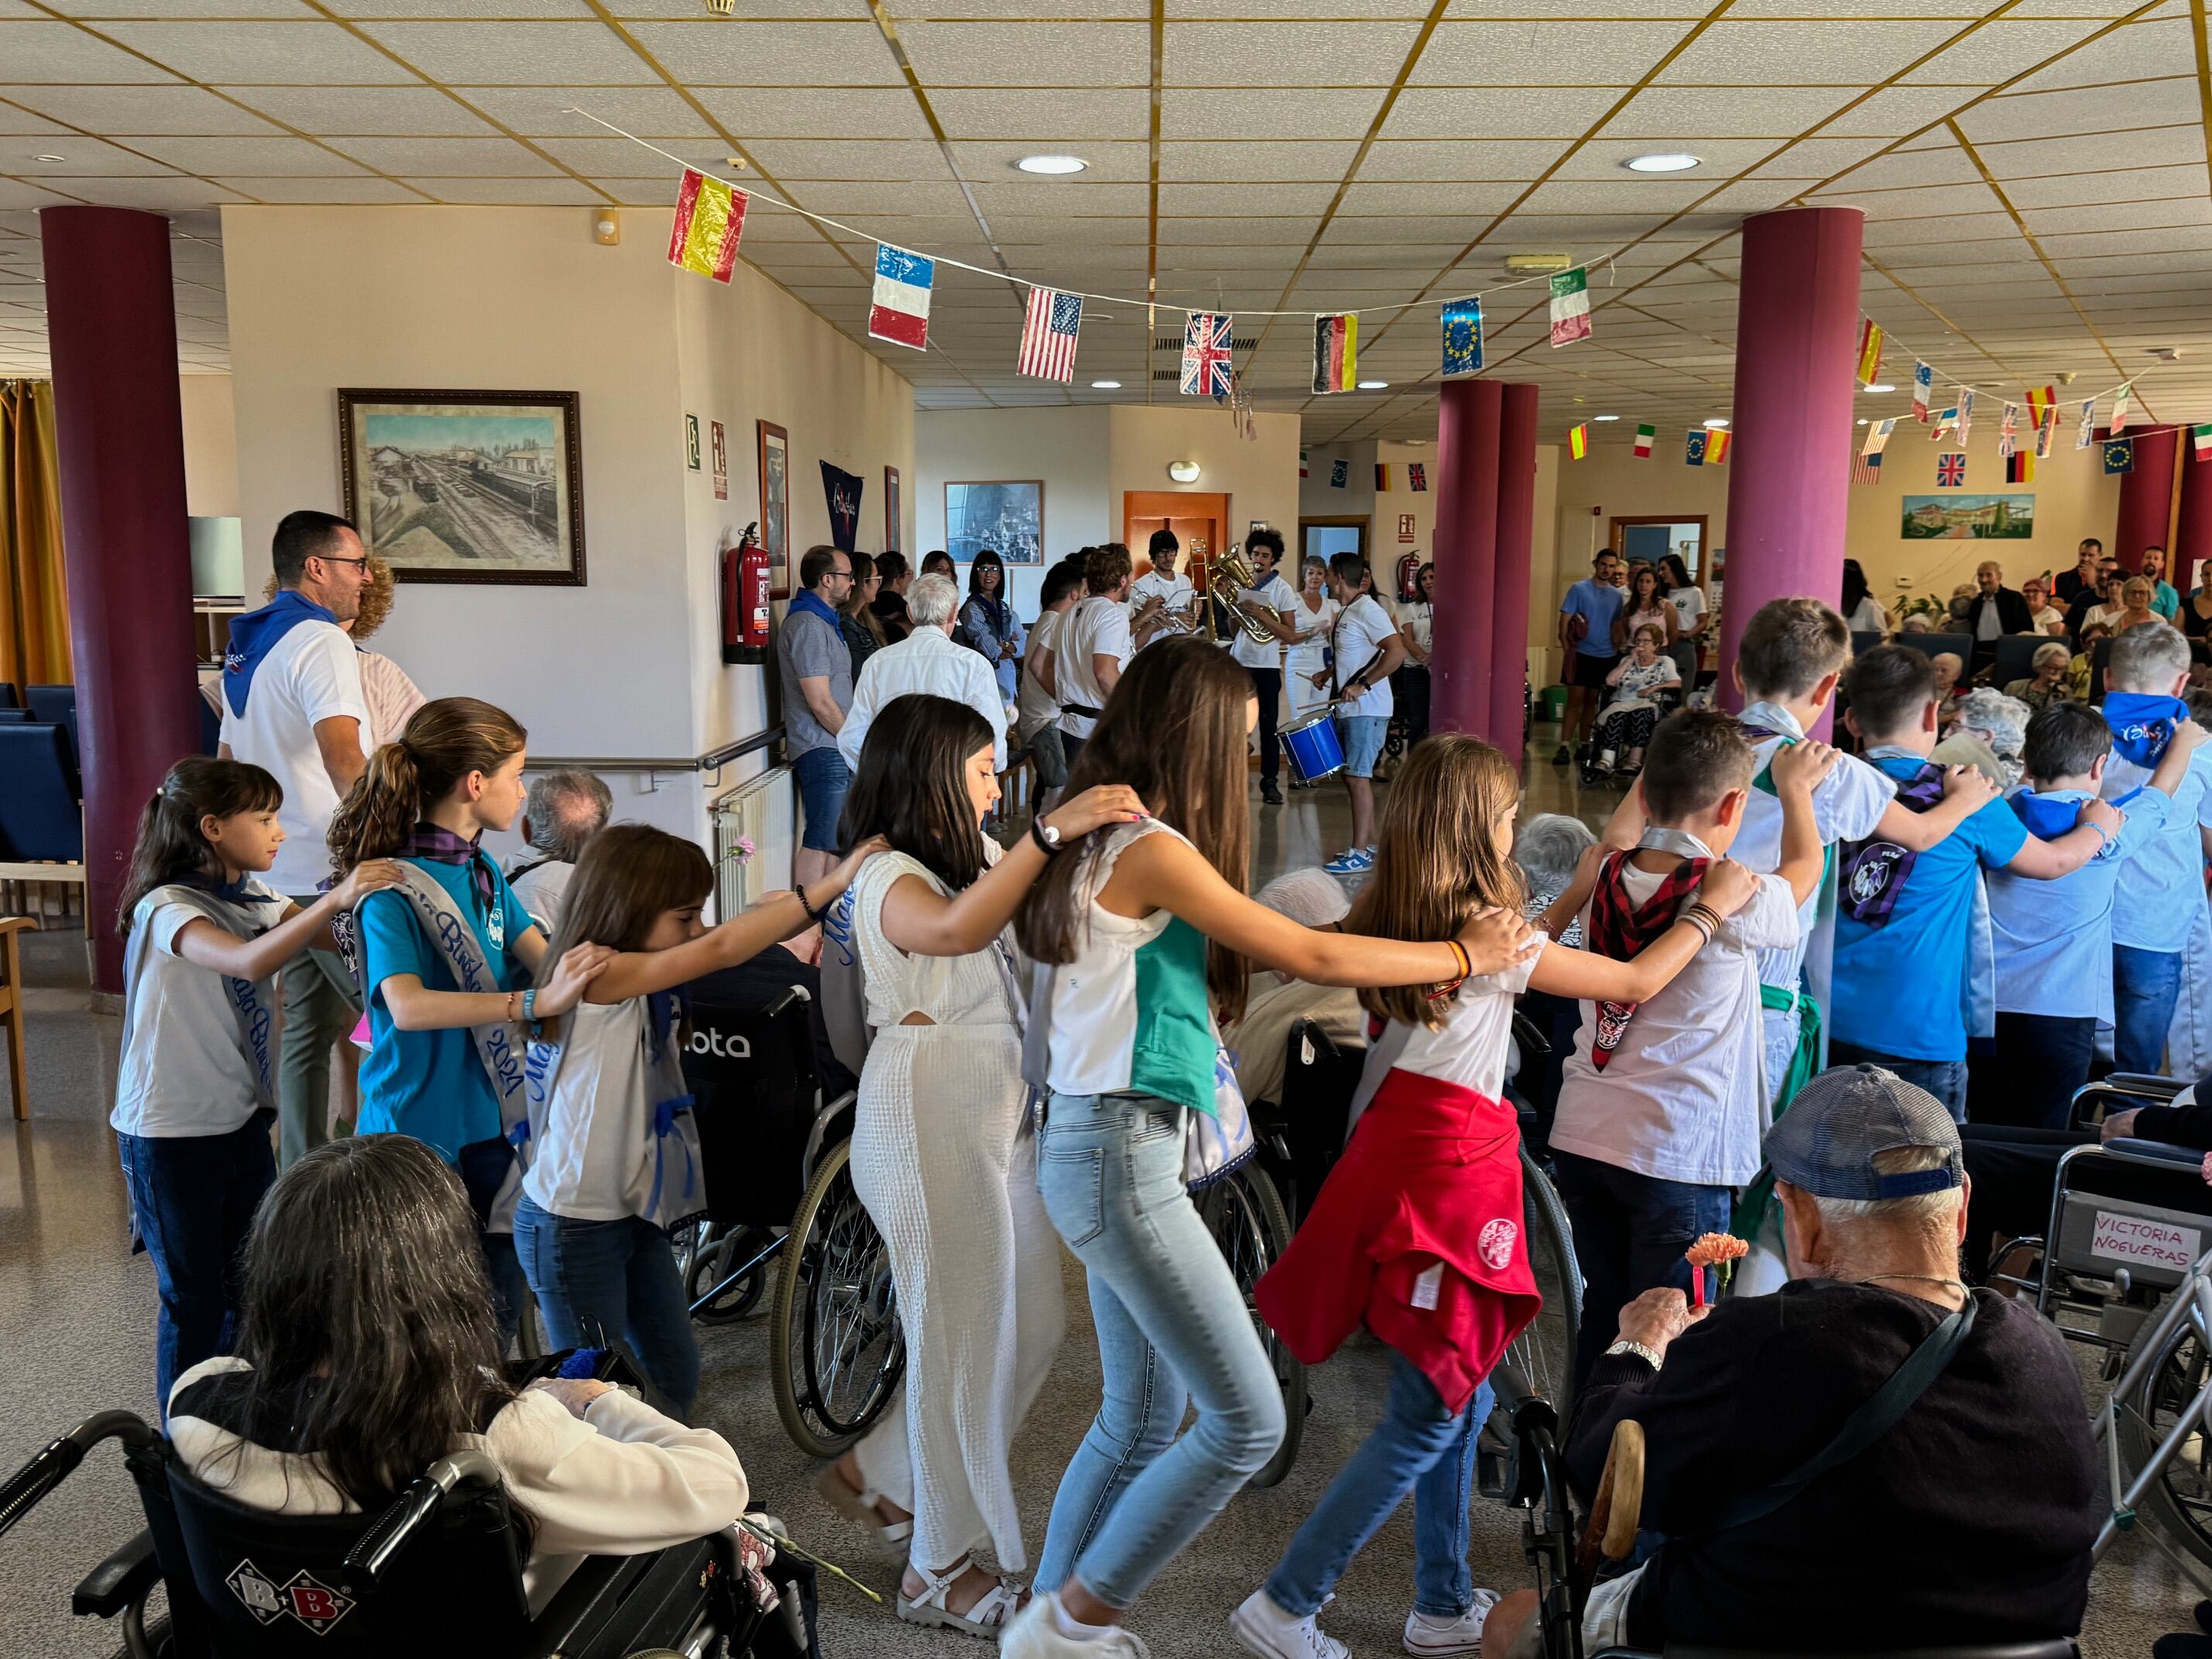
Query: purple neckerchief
(439,845)
(1875,872)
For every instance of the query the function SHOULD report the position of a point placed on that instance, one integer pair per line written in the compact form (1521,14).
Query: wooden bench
(11,1011)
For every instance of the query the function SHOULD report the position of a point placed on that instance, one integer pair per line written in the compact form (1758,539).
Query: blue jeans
(2145,986)
(1417,1447)
(823,778)
(192,1199)
(1631,1231)
(1362,736)
(596,1279)
(1946,1080)
(1172,1327)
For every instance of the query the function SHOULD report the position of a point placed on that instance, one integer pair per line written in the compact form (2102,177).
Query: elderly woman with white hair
(1549,847)
(1989,734)
(1259,1043)
(2046,684)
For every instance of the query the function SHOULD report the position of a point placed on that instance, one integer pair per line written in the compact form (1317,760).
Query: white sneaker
(1432,1637)
(1035,1633)
(1267,1630)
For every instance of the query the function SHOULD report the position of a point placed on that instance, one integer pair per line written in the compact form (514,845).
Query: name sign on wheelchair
(2145,1241)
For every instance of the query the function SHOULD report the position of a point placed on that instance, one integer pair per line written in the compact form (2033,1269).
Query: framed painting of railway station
(466,486)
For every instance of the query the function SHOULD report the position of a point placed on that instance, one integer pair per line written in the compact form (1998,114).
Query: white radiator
(764,812)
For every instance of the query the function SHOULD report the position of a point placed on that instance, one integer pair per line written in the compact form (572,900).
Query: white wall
(1065,449)
(1260,478)
(1320,499)
(211,446)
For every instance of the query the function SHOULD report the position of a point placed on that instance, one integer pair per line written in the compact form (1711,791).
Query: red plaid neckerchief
(1615,930)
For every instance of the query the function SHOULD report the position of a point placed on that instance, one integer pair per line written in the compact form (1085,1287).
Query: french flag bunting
(900,312)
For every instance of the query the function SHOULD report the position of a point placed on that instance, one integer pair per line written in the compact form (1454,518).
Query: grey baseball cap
(1826,1143)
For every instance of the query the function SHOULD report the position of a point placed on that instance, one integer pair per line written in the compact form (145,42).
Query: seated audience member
(2083,664)
(928,663)
(2043,616)
(1987,736)
(1625,724)
(563,811)
(1260,1042)
(2089,559)
(2161,902)
(1915,624)
(2046,685)
(893,575)
(322,1411)
(1662,1100)
(1949,693)
(2052,938)
(2136,595)
(758,980)
(1992,1457)
(1549,849)
(2104,605)
(1906,957)
(2165,599)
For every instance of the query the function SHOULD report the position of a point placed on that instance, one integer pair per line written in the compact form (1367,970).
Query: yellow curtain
(34,636)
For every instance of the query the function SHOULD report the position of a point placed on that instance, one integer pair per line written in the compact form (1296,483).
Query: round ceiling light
(1105,385)
(1183,471)
(1374,386)
(1881,386)
(49,158)
(1715,425)
(1605,418)
(1671,162)
(1053,165)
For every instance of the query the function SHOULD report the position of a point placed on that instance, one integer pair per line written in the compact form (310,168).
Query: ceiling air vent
(1174,343)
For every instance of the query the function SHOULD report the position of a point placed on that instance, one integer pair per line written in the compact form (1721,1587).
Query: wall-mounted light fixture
(606,227)
(1183,471)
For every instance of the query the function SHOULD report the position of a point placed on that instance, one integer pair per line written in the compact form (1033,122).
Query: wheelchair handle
(374,1552)
(2159,1153)
(59,1460)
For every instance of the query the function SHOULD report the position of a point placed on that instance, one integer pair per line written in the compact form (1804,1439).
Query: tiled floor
(76,1336)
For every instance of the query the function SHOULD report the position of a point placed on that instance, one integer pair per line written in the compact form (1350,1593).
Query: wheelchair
(781,1209)
(1667,699)
(437,1571)
(1300,1139)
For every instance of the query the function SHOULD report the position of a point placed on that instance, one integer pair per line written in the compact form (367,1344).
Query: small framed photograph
(1006,518)
(894,504)
(466,486)
(775,505)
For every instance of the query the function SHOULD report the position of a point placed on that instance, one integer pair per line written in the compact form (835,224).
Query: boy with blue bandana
(1915,965)
(2159,904)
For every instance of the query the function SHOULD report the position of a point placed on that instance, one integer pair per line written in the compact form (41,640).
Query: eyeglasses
(327,559)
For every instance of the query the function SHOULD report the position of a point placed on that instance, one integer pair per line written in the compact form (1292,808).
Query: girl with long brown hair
(1434,1156)
(613,1156)
(446,959)
(1143,936)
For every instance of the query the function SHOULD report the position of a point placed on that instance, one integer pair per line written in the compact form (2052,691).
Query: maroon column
(112,331)
(2146,497)
(1796,331)
(1466,555)
(2193,537)
(1516,531)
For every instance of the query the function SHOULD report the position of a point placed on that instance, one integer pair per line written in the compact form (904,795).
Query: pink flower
(2205,1169)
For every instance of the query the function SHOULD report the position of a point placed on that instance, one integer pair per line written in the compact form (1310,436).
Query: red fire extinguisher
(744,599)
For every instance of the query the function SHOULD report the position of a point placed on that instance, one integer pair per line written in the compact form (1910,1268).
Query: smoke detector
(1538,264)
(2166,354)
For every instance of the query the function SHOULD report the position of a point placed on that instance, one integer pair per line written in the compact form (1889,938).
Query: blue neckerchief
(232,892)
(806,599)
(2048,817)
(254,635)
(2143,725)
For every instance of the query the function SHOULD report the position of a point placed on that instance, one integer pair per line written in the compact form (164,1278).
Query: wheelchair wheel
(836,1350)
(2179,1502)
(1544,1353)
(708,1262)
(1245,1214)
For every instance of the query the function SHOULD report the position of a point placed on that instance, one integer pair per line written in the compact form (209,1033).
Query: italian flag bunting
(1645,434)
(1571,307)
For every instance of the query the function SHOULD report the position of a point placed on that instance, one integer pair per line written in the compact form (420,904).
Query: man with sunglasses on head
(292,705)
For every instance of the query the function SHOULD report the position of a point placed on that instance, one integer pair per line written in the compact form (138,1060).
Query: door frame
(1702,520)
(1364,525)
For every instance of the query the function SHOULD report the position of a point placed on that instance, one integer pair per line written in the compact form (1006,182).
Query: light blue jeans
(1172,1328)
(1417,1447)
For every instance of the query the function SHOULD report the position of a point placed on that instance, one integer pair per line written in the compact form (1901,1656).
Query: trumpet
(1224,583)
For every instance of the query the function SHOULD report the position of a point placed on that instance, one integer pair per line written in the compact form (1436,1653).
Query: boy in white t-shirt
(1036,724)
(1090,646)
(1792,654)
(1178,599)
(1662,1103)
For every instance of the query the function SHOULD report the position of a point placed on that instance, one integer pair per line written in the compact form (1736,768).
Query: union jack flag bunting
(1950,472)
(1049,329)
(1206,341)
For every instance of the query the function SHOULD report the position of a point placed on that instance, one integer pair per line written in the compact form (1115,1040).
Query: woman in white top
(1417,628)
(944,1155)
(203,941)
(1314,615)
(2044,616)
(1143,938)
(323,1413)
(1645,605)
(1691,617)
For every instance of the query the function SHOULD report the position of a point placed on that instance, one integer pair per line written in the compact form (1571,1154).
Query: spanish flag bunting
(1578,441)
(1716,446)
(710,216)
(2038,401)
(1335,345)
(1869,352)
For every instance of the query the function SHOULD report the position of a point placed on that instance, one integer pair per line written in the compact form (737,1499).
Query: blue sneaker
(1350,862)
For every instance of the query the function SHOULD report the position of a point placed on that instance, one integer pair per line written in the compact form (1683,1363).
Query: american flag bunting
(1049,330)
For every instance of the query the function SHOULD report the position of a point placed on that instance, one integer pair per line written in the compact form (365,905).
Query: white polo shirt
(1360,630)
(311,675)
(1099,627)
(1174,587)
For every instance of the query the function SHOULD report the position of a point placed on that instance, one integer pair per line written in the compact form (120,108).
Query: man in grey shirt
(565,809)
(816,668)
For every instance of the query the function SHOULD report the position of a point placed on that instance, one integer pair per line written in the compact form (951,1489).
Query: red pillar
(112,331)
(1516,528)
(2193,538)
(1796,333)
(1466,555)
(2146,497)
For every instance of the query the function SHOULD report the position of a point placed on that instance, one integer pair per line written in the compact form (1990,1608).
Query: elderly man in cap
(1873,1456)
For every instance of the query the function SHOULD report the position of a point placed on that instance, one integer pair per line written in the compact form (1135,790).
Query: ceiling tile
(999,195)
(2173,100)
(1747,112)
(1044,119)
(994,163)
(368,10)
(549,192)
(249,157)
(14,193)
(1255,162)
(511,54)
(1412,161)
(849,158)
(1368,200)
(1857,53)
(48,51)
(2142,51)
(272,53)
(2042,157)
(1284,54)
(968,54)
(1544,54)
(751,113)
(132,111)
(1306,200)
(1895,111)
(2004,49)
(78,157)
(153,194)
(549,111)
(618,158)
(445,158)
(780,55)
(365,188)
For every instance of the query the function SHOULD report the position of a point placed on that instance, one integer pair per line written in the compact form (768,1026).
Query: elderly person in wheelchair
(1874,1458)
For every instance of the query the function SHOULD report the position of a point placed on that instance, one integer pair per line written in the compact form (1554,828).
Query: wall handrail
(713,761)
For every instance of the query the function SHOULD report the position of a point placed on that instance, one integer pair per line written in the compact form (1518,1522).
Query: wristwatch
(1047,837)
(1648,1356)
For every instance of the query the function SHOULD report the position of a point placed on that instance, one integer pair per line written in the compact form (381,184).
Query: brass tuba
(1226,579)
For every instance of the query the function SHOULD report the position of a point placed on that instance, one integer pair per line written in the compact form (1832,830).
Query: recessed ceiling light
(1881,386)
(1715,426)
(1666,161)
(49,158)
(1105,385)
(1605,418)
(1863,420)
(1052,164)
(1374,386)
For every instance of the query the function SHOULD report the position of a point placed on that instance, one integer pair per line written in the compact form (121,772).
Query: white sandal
(891,1537)
(986,1619)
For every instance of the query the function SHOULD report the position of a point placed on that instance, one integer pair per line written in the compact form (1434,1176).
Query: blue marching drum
(1313,746)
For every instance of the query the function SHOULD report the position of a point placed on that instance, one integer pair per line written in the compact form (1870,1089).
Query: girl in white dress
(944,1155)
(1314,618)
